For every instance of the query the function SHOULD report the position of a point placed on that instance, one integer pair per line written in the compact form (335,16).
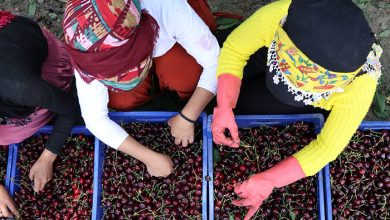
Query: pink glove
(259,186)
(227,95)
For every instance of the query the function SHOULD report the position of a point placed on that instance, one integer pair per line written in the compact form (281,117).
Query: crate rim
(10,155)
(276,119)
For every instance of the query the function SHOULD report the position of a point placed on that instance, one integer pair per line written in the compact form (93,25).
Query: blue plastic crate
(249,121)
(14,174)
(150,117)
(364,126)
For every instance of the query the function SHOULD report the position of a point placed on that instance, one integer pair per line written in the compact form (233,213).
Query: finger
(184,142)
(241,191)
(13,210)
(31,175)
(251,212)
(191,139)
(220,138)
(169,173)
(177,141)
(238,189)
(5,211)
(43,184)
(235,137)
(171,162)
(37,185)
(243,202)
(216,136)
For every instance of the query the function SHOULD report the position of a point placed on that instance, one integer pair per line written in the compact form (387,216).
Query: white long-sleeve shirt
(178,23)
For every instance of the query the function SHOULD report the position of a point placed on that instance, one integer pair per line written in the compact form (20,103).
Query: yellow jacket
(347,108)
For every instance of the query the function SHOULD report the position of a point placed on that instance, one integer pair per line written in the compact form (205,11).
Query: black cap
(332,33)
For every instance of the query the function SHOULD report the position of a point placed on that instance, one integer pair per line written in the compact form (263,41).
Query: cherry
(361,186)
(71,187)
(3,161)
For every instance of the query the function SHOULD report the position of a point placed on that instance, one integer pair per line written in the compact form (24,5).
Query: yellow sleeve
(256,32)
(348,110)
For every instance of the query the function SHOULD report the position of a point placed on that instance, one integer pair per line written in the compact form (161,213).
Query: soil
(49,14)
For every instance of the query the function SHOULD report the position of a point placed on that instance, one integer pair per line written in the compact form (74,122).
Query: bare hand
(181,130)
(7,205)
(159,165)
(42,170)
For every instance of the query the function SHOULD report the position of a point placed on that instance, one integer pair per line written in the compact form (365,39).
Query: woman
(321,57)
(115,44)
(35,75)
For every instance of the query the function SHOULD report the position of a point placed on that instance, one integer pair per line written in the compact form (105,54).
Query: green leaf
(362,4)
(292,215)
(383,5)
(380,103)
(216,155)
(223,27)
(231,217)
(385,33)
(32,8)
(225,23)
(384,115)
(53,16)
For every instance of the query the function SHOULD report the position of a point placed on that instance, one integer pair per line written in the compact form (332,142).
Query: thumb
(252,211)
(234,133)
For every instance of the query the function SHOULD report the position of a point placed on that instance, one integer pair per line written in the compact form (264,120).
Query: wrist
(149,157)
(286,172)
(48,156)
(191,120)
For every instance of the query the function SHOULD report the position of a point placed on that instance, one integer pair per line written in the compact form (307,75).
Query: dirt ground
(49,14)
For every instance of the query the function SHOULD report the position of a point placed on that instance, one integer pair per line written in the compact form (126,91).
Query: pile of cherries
(260,149)
(3,162)
(129,192)
(69,194)
(360,177)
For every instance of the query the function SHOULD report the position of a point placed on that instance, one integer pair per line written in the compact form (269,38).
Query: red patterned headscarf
(107,38)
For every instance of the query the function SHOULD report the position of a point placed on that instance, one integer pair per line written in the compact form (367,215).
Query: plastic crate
(249,121)
(151,117)
(364,126)
(14,171)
